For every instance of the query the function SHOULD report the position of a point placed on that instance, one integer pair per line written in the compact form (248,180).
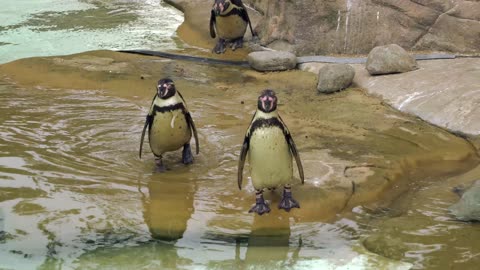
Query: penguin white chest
(230,27)
(169,132)
(270,158)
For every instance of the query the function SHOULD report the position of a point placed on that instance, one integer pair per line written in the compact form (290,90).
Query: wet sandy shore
(355,148)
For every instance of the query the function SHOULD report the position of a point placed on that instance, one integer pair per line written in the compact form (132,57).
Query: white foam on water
(154,29)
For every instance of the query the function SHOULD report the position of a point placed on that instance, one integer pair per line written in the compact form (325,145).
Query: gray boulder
(389,59)
(468,207)
(272,60)
(334,77)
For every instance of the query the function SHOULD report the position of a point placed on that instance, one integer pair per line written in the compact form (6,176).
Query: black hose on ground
(300,59)
(198,59)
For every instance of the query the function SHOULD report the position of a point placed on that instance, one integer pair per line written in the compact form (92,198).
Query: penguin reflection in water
(228,20)
(270,147)
(170,125)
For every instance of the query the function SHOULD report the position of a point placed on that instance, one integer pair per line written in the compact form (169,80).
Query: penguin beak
(163,90)
(267,105)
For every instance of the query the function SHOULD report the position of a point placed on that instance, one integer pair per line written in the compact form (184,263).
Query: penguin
(228,20)
(170,125)
(270,147)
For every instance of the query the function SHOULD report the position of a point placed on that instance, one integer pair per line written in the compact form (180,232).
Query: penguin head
(220,6)
(166,88)
(267,101)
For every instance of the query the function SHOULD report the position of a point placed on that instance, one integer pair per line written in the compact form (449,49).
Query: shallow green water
(74,195)
(58,27)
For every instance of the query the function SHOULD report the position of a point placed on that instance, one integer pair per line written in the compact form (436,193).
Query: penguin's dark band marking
(236,11)
(170,108)
(269,122)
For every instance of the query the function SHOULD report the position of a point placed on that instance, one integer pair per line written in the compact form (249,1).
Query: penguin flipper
(148,123)
(241,162)
(190,122)
(244,15)
(243,153)
(212,24)
(294,151)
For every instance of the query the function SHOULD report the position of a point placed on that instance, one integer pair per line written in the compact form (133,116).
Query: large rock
(335,77)
(389,59)
(431,93)
(272,60)
(451,34)
(468,208)
(347,26)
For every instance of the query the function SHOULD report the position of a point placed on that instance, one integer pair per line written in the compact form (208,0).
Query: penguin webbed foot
(261,206)
(187,156)
(288,202)
(255,39)
(219,47)
(237,43)
(159,165)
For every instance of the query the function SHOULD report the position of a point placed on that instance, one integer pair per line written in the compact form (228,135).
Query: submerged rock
(386,245)
(93,63)
(272,60)
(468,207)
(389,59)
(335,77)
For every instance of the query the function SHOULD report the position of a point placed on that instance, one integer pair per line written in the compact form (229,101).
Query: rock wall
(356,26)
